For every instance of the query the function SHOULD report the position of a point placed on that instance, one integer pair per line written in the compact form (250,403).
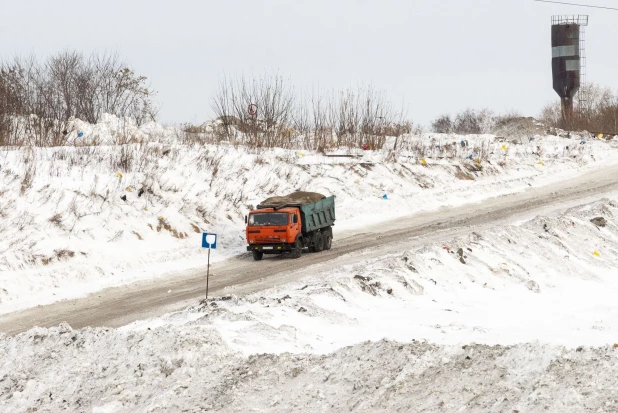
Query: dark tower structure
(567,48)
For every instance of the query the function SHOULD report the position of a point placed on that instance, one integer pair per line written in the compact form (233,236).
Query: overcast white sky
(436,55)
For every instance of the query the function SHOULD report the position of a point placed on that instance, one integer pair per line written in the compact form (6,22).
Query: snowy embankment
(78,219)
(543,290)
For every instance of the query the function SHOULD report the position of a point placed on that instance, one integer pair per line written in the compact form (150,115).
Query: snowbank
(176,370)
(77,219)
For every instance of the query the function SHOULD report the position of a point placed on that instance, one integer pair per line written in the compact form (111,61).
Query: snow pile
(78,219)
(541,293)
(112,130)
(179,370)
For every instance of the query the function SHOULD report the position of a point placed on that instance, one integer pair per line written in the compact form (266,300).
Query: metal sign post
(208,241)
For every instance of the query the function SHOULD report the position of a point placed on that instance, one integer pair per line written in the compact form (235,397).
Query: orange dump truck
(291,223)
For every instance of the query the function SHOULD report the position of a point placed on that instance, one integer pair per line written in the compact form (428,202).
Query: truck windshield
(268,218)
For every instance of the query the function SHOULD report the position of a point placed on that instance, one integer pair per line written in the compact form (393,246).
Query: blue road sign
(209,241)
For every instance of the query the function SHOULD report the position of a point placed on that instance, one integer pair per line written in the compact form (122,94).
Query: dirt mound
(295,198)
(518,127)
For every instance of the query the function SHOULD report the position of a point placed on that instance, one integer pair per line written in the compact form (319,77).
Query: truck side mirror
(245,220)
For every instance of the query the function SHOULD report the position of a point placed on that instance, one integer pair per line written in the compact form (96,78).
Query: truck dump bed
(318,215)
(316,210)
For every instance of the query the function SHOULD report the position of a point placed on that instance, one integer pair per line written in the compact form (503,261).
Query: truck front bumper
(270,248)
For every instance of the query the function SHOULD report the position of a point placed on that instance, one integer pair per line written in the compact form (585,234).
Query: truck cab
(273,231)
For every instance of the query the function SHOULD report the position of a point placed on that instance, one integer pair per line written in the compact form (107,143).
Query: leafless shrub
(470,121)
(64,253)
(26,182)
(350,118)
(163,224)
(443,124)
(56,219)
(193,129)
(597,113)
(365,117)
(124,160)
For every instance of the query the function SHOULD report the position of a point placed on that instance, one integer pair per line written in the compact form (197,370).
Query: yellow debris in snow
(597,254)
(504,148)
(119,175)
(423,161)
(540,163)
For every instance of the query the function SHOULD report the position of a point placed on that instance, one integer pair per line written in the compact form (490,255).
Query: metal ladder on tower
(582,94)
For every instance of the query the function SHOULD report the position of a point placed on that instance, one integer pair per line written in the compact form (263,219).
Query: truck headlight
(283,240)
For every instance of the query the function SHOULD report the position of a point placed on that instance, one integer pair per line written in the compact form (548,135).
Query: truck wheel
(328,241)
(298,249)
(318,242)
(258,255)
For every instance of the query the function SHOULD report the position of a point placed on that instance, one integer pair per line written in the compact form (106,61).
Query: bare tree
(38,99)
(442,124)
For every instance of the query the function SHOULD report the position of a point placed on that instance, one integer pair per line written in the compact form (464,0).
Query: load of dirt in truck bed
(295,198)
